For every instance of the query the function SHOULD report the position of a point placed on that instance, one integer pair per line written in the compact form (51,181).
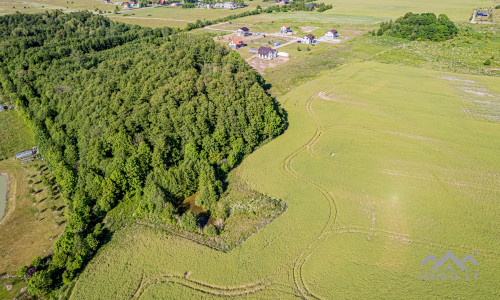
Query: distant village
(138,4)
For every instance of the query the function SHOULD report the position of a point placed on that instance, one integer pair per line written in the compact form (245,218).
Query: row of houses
(226,5)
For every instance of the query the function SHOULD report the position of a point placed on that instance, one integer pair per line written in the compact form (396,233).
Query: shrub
(487,62)
(210,230)
(36,262)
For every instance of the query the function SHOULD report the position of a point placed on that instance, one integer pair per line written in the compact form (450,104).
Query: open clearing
(374,210)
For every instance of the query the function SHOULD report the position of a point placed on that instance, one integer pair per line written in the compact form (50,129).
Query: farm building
(310,5)
(331,34)
(482,14)
(174,4)
(209,6)
(308,39)
(243,31)
(126,5)
(28,155)
(219,5)
(236,43)
(267,53)
(286,29)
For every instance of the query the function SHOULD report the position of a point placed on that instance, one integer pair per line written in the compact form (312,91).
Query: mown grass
(411,175)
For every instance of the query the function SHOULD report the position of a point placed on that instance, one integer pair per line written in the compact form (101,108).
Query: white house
(267,53)
(286,29)
(230,5)
(331,34)
(243,31)
(308,39)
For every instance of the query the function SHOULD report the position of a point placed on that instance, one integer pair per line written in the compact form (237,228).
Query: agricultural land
(370,153)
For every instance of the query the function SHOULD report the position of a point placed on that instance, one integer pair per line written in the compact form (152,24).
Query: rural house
(286,29)
(236,43)
(331,34)
(267,53)
(243,31)
(310,5)
(230,5)
(481,14)
(126,5)
(308,39)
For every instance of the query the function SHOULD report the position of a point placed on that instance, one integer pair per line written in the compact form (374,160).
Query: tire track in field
(287,167)
(213,290)
(408,238)
(302,258)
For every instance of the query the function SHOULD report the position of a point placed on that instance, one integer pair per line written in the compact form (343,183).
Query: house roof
(287,26)
(333,31)
(265,50)
(238,41)
(309,36)
(244,29)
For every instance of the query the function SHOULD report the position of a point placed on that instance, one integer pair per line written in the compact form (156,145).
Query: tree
(40,283)
(189,222)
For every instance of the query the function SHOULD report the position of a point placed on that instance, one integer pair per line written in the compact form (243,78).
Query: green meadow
(381,165)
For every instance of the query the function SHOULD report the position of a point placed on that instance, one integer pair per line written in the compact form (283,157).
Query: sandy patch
(261,65)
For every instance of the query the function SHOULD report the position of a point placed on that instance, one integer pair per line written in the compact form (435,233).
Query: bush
(22,271)
(210,230)
(487,62)
(36,262)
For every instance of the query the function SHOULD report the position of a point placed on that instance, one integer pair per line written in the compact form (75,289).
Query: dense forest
(119,111)
(419,27)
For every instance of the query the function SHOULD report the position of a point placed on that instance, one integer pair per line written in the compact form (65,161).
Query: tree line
(125,112)
(419,27)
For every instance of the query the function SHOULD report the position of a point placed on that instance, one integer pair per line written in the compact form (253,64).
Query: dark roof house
(267,53)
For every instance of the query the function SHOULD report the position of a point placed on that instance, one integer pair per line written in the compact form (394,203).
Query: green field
(377,173)
(15,136)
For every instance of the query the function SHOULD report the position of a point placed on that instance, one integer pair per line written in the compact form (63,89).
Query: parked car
(299,42)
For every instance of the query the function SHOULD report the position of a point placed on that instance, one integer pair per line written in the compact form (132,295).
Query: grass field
(377,173)
(25,6)
(15,136)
